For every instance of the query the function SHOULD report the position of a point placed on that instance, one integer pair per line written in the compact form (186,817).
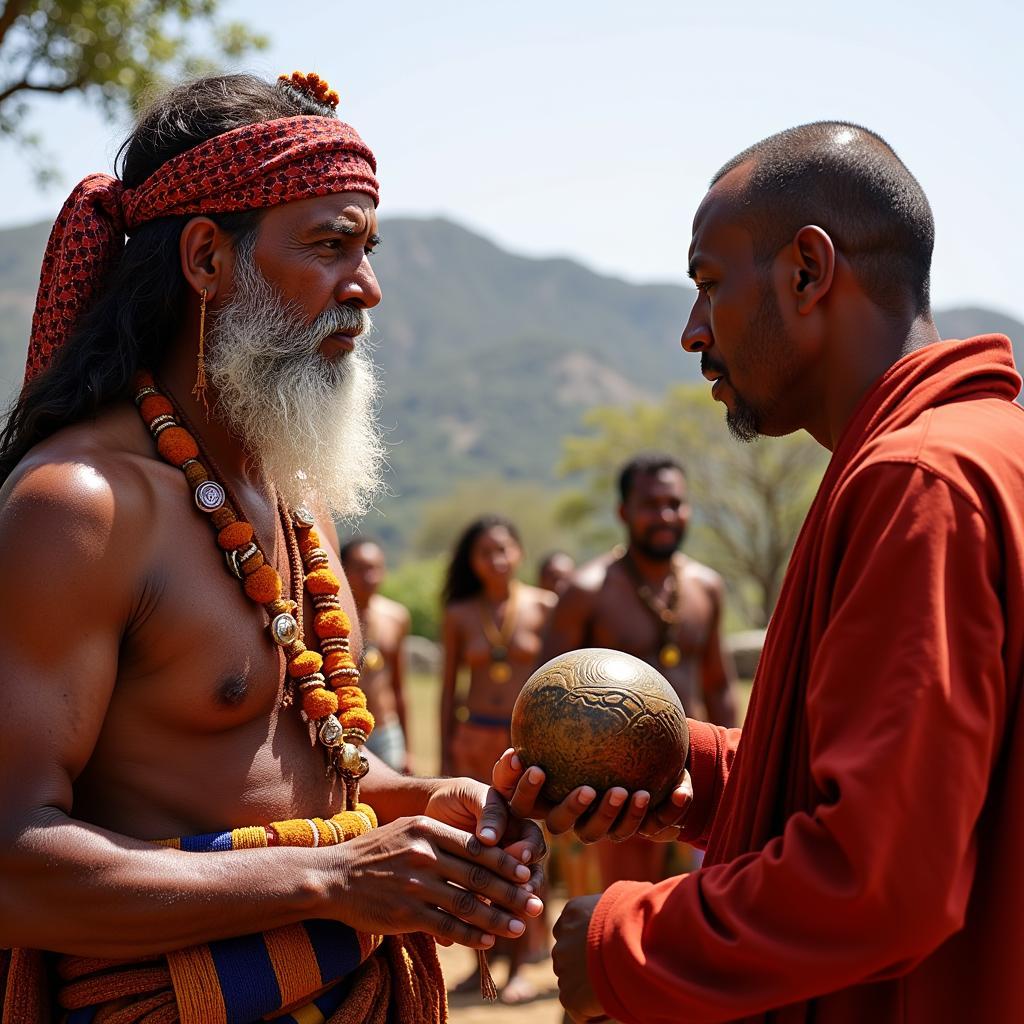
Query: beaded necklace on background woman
(493,626)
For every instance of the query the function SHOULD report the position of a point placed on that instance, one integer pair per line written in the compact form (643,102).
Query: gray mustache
(343,318)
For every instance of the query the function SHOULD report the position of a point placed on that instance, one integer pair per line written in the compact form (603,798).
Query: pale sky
(590,129)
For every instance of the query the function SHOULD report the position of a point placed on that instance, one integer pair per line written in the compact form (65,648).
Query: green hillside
(489,358)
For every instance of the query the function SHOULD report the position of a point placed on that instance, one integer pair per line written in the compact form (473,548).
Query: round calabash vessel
(601,718)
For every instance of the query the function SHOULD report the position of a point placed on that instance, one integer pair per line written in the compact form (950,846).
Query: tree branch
(26,86)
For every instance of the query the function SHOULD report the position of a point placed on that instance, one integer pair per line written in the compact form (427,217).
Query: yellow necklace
(500,638)
(668,611)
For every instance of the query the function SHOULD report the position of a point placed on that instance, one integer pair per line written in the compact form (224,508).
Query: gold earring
(199,389)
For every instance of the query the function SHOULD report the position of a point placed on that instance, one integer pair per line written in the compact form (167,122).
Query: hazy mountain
(489,357)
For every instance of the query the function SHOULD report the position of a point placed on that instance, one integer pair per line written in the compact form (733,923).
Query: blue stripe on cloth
(336,947)
(332,999)
(490,721)
(325,1005)
(247,978)
(86,1016)
(212,842)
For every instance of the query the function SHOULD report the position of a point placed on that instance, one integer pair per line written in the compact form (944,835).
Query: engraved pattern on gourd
(602,718)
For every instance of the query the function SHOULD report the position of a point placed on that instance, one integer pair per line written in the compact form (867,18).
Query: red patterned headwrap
(248,168)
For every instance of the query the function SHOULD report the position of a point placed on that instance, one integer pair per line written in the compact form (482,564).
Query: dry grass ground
(424,701)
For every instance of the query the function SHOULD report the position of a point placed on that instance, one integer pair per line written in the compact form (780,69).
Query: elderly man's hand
(618,815)
(569,958)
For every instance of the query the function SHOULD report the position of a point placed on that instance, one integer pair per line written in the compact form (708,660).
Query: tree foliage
(416,583)
(749,499)
(532,507)
(113,51)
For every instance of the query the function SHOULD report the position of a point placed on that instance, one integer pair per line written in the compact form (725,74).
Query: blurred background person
(652,601)
(555,570)
(493,626)
(385,626)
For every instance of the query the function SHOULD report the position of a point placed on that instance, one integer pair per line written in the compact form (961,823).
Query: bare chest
(622,620)
(518,640)
(197,711)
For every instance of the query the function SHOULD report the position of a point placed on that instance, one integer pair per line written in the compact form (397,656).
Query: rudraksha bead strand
(342,723)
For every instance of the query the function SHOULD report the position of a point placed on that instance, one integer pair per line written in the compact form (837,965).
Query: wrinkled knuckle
(422,853)
(496,920)
(465,903)
(474,847)
(448,926)
(478,876)
(507,863)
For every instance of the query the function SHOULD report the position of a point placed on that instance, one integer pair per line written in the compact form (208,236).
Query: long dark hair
(461,580)
(142,304)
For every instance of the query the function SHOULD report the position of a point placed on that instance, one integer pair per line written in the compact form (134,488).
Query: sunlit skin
(365,569)
(317,251)
(385,626)
(657,512)
(555,573)
(495,558)
(169,689)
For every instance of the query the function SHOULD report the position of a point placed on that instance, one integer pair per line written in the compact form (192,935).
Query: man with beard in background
(653,602)
(149,714)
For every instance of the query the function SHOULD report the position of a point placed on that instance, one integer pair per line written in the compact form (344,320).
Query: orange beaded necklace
(327,681)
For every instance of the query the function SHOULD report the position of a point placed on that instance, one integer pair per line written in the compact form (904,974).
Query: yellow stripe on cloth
(196,985)
(308,1015)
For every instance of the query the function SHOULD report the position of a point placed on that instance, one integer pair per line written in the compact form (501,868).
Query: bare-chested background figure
(385,626)
(655,603)
(493,626)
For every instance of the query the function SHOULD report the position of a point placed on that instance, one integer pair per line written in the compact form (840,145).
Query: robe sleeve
(712,749)
(905,706)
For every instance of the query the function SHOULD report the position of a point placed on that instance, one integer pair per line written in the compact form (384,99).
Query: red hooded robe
(865,840)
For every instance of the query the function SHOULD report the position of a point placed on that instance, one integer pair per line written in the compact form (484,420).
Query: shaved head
(849,182)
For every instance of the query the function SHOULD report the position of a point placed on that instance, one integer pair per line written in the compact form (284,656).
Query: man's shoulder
(79,481)
(536,597)
(702,575)
(390,609)
(972,445)
(591,577)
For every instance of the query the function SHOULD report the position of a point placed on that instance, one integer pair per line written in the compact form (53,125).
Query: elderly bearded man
(865,836)
(146,703)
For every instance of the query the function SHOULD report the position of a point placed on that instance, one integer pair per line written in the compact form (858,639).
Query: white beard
(311,423)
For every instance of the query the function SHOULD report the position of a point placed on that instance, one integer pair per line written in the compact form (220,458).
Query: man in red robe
(865,834)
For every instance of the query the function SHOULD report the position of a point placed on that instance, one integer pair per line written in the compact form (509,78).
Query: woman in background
(493,626)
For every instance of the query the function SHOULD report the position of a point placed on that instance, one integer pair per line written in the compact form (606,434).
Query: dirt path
(471,1009)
